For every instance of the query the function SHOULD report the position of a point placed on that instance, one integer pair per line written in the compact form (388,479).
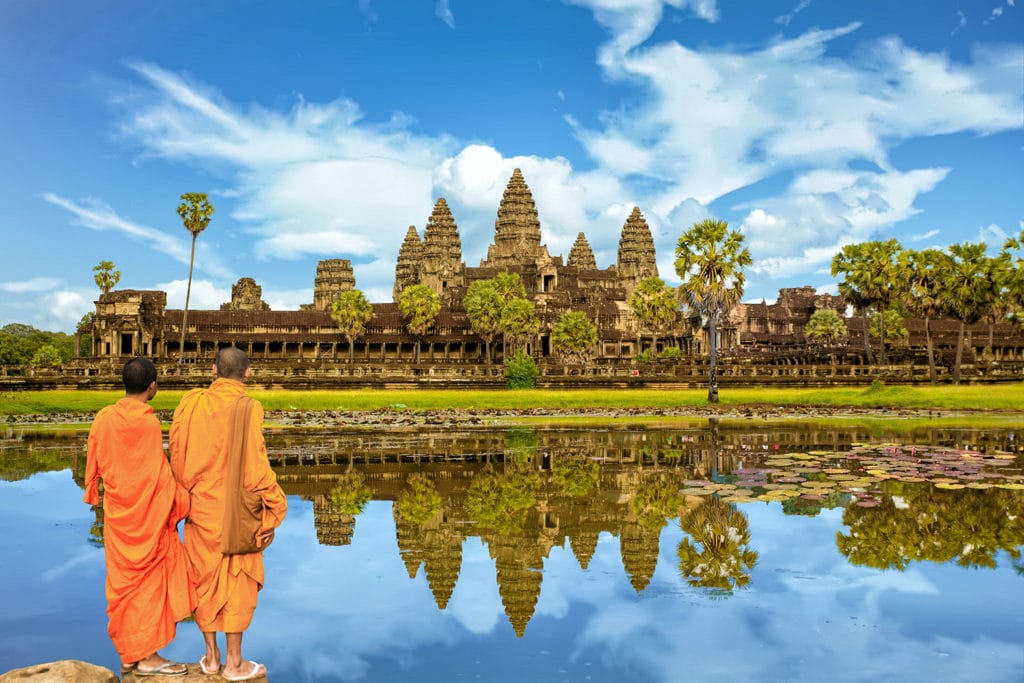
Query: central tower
(517,229)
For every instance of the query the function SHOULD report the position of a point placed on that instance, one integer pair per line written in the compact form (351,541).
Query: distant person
(227,584)
(148,586)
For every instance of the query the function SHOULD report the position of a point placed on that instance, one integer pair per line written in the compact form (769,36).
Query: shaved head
(231,363)
(138,374)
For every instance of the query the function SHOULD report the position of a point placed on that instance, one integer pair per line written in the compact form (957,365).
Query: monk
(148,586)
(226,584)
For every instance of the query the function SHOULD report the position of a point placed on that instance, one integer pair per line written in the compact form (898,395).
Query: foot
(247,671)
(211,666)
(155,665)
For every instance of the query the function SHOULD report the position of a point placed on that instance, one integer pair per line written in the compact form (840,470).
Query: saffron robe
(226,584)
(148,586)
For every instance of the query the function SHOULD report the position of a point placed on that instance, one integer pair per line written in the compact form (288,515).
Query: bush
(46,356)
(521,371)
(671,353)
(644,356)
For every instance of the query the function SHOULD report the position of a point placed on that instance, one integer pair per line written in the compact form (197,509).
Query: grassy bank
(1000,397)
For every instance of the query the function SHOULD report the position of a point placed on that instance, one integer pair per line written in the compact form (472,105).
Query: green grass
(995,397)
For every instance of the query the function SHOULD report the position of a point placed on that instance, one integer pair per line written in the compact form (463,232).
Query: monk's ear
(151,390)
(214,369)
(248,373)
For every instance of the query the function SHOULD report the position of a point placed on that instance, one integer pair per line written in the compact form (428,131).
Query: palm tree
(825,326)
(419,305)
(351,311)
(1013,252)
(710,260)
(483,307)
(923,273)
(968,290)
(872,279)
(195,211)
(105,277)
(574,336)
(654,304)
(719,555)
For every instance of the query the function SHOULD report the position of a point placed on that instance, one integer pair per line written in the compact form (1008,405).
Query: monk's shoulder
(189,397)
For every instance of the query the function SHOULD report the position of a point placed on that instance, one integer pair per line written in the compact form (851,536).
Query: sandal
(212,671)
(253,674)
(162,670)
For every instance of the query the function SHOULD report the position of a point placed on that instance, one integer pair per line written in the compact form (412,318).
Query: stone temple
(134,322)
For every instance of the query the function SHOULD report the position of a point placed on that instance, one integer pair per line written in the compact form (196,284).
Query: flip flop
(162,670)
(209,672)
(252,675)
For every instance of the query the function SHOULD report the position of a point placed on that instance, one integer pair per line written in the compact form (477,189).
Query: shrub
(521,371)
(671,353)
(644,356)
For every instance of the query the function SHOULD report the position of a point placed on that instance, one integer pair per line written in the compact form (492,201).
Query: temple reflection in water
(940,495)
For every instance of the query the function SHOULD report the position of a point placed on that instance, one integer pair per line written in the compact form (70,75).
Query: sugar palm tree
(419,305)
(351,311)
(195,211)
(654,304)
(968,290)
(710,259)
(924,276)
(871,279)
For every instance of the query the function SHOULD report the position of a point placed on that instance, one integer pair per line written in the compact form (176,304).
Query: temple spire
(407,267)
(581,255)
(636,250)
(517,228)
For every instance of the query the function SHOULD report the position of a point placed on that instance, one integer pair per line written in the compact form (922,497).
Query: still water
(711,552)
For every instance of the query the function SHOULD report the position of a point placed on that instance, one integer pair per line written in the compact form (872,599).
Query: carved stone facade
(246,296)
(130,322)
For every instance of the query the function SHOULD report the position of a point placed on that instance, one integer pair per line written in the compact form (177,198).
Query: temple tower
(246,295)
(636,251)
(333,276)
(581,255)
(517,229)
(441,266)
(407,268)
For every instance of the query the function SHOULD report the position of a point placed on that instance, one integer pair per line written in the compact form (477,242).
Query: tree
(195,211)
(518,322)
(105,276)
(483,306)
(13,350)
(968,290)
(871,273)
(351,311)
(419,305)
(719,555)
(520,371)
(1013,252)
(709,260)
(654,304)
(894,330)
(46,356)
(574,336)
(826,327)
(924,276)
(509,286)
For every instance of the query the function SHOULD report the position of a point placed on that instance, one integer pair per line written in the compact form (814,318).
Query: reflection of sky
(351,613)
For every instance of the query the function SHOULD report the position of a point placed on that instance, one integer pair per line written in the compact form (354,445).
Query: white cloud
(923,236)
(97,215)
(785,19)
(36,284)
(320,179)
(992,235)
(205,294)
(822,210)
(443,11)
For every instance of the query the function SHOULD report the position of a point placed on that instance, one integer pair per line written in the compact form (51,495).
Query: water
(570,555)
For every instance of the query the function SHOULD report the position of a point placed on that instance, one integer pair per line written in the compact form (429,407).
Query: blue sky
(325,129)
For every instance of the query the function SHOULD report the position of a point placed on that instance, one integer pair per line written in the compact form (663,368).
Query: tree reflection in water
(919,522)
(525,492)
(724,559)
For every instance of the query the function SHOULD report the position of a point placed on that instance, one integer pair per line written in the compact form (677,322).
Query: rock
(74,671)
(65,671)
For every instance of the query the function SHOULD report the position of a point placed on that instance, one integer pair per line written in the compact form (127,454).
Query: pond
(708,552)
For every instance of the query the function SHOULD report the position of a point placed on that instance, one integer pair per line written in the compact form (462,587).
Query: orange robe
(227,584)
(148,586)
